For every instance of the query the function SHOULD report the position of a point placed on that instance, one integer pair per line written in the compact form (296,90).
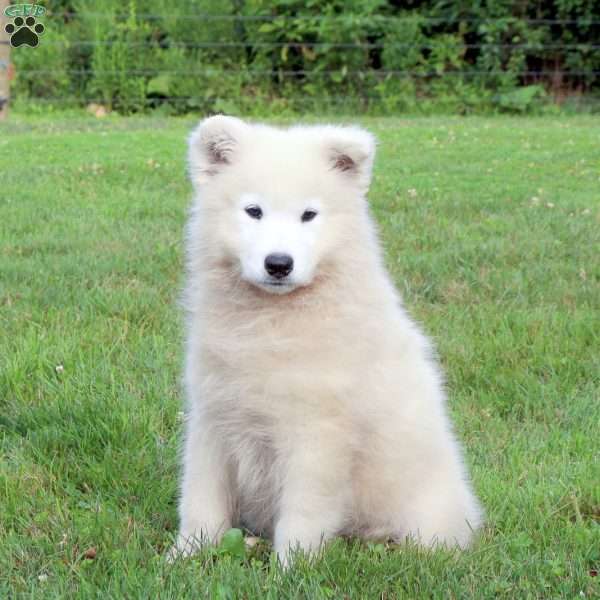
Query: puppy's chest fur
(267,384)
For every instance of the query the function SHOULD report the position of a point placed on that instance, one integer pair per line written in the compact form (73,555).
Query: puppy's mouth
(277,286)
(276,283)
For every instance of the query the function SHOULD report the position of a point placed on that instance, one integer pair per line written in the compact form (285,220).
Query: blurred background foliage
(376,56)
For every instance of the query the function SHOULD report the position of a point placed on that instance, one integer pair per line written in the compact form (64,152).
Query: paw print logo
(24,31)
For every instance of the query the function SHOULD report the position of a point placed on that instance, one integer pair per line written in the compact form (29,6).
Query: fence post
(4,62)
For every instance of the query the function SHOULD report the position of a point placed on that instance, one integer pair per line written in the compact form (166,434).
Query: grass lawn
(492,233)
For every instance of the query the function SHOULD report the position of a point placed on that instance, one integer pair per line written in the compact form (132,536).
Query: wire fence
(337,18)
(313,70)
(304,73)
(327,45)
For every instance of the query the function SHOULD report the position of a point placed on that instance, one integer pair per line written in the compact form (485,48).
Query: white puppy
(315,406)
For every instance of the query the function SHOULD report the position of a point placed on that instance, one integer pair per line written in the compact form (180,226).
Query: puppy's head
(279,203)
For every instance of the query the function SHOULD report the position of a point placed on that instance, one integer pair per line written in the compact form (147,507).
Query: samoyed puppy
(315,406)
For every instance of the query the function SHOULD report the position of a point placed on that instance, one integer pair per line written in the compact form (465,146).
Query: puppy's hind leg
(441,511)
(446,515)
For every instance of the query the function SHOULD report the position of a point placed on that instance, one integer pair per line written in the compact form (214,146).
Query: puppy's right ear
(212,146)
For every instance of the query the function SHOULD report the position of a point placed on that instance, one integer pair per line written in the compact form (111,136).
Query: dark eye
(254,211)
(308,215)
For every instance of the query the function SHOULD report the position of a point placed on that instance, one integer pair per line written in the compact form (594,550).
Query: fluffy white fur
(315,407)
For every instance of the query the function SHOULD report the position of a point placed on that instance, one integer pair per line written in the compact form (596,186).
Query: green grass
(492,233)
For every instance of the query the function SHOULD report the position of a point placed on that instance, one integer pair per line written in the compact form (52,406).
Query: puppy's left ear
(213,147)
(350,151)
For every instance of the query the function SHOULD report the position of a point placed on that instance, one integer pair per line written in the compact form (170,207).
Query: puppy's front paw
(285,559)
(184,547)
(288,550)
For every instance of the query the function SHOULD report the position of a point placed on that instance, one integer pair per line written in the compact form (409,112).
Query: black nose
(279,265)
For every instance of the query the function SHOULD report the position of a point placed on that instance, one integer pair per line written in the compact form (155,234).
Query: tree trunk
(5,67)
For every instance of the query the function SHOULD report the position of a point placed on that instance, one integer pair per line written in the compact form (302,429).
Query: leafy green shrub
(375,55)
(521,99)
(42,72)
